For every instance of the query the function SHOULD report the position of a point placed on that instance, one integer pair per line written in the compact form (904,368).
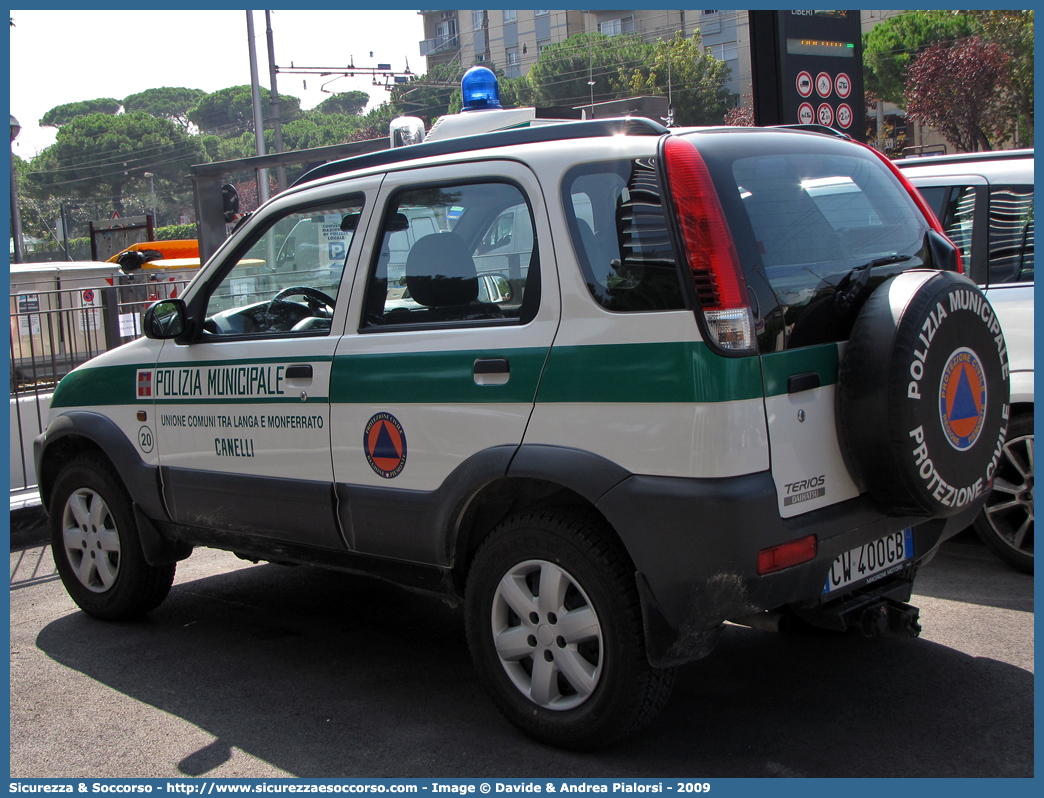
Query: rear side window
(620,236)
(454,254)
(1011,234)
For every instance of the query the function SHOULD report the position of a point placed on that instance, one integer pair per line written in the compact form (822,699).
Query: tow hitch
(874,612)
(889,616)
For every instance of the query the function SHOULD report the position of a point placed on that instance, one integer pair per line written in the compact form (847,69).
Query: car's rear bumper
(695,546)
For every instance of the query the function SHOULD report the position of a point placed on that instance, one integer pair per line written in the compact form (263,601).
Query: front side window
(452,255)
(620,236)
(287,280)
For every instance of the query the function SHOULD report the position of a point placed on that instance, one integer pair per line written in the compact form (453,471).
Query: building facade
(511,40)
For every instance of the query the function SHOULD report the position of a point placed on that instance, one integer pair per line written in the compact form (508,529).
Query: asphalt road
(265,671)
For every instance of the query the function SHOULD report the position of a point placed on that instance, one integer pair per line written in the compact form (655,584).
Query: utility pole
(259,130)
(277,123)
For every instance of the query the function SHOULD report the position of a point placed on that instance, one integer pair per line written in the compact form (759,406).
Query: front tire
(555,630)
(94,541)
(1005,524)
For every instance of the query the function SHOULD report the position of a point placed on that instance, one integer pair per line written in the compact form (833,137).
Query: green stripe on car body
(96,386)
(648,373)
(433,377)
(823,360)
(642,373)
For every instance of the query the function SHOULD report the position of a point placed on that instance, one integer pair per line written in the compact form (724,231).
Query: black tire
(94,541)
(1005,524)
(923,394)
(589,690)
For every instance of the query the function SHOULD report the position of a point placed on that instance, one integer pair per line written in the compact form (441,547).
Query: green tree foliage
(348,103)
(165,103)
(1013,31)
(429,96)
(64,114)
(101,152)
(562,75)
(890,48)
(694,78)
(230,111)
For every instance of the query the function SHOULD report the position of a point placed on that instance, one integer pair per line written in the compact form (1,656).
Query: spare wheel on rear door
(923,394)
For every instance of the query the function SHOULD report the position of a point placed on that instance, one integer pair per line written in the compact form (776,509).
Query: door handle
(797,383)
(492,365)
(299,372)
(491,371)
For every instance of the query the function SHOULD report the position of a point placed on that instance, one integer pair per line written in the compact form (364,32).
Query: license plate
(870,562)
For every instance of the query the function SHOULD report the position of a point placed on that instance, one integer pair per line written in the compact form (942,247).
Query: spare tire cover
(923,394)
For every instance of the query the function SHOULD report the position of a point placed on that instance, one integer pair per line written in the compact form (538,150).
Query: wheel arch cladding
(924,390)
(81,430)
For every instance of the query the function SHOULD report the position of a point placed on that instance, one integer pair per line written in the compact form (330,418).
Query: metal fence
(54,330)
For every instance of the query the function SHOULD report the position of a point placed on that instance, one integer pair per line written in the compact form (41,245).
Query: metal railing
(54,330)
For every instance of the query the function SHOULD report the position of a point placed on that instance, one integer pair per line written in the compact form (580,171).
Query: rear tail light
(721,289)
(924,207)
(785,555)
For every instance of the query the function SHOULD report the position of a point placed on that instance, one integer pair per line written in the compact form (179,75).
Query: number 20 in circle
(146,440)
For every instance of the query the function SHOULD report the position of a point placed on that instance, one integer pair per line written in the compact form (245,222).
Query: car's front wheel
(1006,521)
(555,630)
(94,541)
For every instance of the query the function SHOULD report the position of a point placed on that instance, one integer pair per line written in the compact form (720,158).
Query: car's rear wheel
(94,541)
(1006,521)
(555,629)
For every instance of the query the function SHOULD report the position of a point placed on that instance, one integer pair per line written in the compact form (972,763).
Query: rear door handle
(803,382)
(492,371)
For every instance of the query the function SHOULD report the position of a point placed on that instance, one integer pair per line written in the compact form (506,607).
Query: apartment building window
(614,27)
(724,52)
(541,13)
(512,57)
(541,45)
(476,20)
(510,16)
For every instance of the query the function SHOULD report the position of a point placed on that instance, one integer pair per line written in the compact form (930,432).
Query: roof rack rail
(829,131)
(969,157)
(631,126)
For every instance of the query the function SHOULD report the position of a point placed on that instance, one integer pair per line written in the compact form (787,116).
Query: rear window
(806,212)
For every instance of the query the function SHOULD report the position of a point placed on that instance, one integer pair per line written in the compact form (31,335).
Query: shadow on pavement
(325,675)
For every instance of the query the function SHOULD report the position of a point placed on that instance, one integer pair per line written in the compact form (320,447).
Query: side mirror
(165,319)
(229,202)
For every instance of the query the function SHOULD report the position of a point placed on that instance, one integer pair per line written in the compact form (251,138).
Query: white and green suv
(728,374)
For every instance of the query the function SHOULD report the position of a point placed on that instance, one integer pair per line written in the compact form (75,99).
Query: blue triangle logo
(384,446)
(964,400)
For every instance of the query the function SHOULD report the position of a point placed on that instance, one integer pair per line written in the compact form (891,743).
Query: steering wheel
(314,295)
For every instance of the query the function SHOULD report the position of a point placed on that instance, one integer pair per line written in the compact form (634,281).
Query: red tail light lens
(721,289)
(785,555)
